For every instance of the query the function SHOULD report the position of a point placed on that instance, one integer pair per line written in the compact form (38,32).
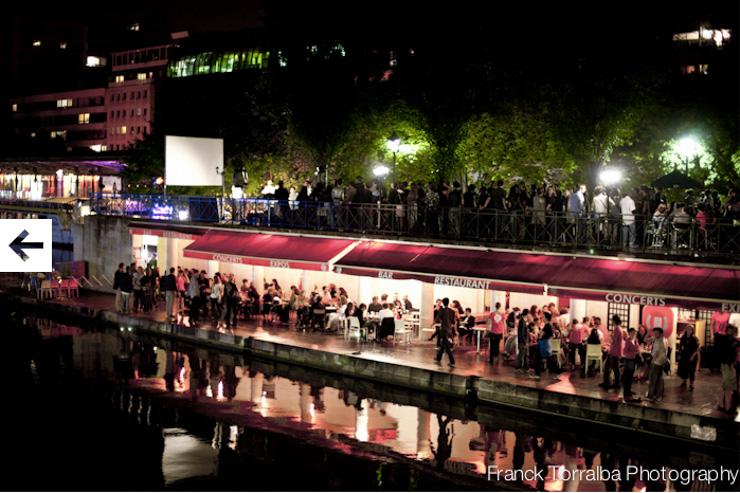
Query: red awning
(166,230)
(620,281)
(272,250)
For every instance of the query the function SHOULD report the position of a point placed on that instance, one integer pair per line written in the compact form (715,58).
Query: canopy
(615,280)
(289,252)
(165,230)
(676,179)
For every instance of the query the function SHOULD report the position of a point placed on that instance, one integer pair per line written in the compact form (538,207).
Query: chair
(401,330)
(319,314)
(45,291)
(555,344)
(352,328)
(73,286)
(387,328)
(593,353)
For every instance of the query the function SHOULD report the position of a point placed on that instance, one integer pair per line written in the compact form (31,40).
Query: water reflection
(448,444)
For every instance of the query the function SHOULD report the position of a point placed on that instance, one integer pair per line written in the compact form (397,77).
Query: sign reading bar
(635,299)
(461,282)
(385,274)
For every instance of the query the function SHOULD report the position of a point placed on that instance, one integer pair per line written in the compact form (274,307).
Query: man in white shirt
(601,203)
(627,209)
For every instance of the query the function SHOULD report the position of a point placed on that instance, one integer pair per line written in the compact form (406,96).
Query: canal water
(112,409)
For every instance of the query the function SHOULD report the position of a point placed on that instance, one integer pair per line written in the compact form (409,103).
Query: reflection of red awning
(558,275)
(165,230)
(290,252)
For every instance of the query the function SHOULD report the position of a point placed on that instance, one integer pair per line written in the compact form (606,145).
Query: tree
(598,113)
(519,143)
(365,142)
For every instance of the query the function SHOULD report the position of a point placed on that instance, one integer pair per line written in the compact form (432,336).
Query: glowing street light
(380,171)
(688,148)
(394,144)
(610,176)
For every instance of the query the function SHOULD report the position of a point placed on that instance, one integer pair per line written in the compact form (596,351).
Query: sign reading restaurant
(461,282)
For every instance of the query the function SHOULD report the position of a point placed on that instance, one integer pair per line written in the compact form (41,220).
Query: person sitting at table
(397,305)
(387,322)
(374,306)
(267,297)
(360,313)
(325,296)
(318,310)
(467,322)
(458,308)
(407,304)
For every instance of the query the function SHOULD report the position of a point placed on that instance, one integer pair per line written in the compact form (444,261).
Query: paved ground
(701,401)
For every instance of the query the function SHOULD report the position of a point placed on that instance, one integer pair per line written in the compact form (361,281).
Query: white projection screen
(192,161)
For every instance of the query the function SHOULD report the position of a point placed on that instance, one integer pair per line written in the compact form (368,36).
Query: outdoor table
(479,330)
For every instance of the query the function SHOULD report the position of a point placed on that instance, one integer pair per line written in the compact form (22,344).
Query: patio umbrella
(676,179)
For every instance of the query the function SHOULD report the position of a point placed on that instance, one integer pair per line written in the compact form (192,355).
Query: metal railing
(519,228)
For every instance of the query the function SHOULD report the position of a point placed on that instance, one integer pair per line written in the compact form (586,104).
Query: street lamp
(393,144)
(380,171)
(610,176)
(688,148)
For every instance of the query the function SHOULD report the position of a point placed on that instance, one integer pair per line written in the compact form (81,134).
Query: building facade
(131,94)
(67,121)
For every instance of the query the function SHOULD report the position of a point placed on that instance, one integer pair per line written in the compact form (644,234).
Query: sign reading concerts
(635,299)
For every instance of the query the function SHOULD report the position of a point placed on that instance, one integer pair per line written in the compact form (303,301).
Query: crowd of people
(533,339)
(441,209)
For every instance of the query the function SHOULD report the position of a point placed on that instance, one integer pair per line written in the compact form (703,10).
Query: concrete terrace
(412,366)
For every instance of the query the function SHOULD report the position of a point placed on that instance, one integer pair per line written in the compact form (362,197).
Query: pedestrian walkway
(702,401)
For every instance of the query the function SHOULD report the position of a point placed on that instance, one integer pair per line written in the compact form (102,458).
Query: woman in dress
(688,348)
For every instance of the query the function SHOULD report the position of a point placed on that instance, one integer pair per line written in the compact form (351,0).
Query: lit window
(95,61)
(36,42)
(63,45)
(141,76)
(688,69)
(703,68)
(123,130)
(58,134)
(138,111)
(133,27)
(14,107)
(83,118)
(64,103)
(119,79)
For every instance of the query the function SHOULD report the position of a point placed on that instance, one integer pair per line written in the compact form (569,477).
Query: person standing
(727,355)
(127,285)
(168,284)
(231,300)
(216,297)
(194,292)
(117,278)
(627,209)
(497,322)
(576,344)
(613,355)
(447,319)
(630,355)
(522,341)
(138,289)
(688,348)
(658,361)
